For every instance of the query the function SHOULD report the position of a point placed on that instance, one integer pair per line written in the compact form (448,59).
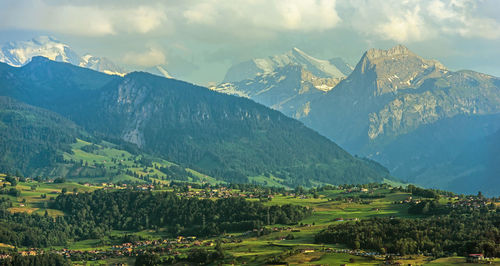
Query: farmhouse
(474,258)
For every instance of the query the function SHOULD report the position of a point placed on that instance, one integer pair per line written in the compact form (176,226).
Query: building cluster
(223,192)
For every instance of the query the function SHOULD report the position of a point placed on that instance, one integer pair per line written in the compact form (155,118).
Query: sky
(199,40)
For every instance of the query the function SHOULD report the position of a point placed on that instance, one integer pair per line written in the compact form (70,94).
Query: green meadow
(293,245)
(107,163)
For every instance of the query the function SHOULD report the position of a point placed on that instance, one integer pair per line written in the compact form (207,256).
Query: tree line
(459,231)
(131,210)
(94,215)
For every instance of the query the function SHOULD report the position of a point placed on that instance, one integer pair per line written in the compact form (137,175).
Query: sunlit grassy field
(328,206)
(111,157)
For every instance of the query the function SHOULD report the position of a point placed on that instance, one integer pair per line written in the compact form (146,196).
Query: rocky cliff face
(395,99)
(395,107)
(459,93)
(393,92)
(397,69)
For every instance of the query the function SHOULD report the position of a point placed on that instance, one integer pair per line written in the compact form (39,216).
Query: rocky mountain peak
(396,68)
(397,50)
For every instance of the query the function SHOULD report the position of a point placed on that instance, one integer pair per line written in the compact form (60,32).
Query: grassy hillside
(34,197)
(106,162)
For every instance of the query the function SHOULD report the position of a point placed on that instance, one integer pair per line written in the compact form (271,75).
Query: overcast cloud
(199,40)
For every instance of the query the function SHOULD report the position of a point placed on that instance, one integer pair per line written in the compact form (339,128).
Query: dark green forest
(94,215)
(32,138)
(459,231)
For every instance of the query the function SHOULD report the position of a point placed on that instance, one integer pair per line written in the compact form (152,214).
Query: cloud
(459,17)
(405,27)
(279,15)
(202,37)
(398,20)
(89,20)
(148,58)
(480,27)
(145,19)
(420,20)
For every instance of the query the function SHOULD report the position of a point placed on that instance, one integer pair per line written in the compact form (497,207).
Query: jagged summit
(394,51)
(398,53)
(387,71)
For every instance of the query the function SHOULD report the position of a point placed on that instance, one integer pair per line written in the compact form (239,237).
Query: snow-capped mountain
(19,53)
(289,89)
(334,68)
(287,82)
(101,64)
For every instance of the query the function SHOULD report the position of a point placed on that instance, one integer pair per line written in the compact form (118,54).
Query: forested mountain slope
(32,138)
(225,136)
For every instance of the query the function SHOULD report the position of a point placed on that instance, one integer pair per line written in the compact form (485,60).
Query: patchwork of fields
(278,243)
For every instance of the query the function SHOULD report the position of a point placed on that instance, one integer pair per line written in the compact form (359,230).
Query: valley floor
(275,244)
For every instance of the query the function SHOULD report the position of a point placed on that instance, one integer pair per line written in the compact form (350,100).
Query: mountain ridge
(389,95)
(225,136)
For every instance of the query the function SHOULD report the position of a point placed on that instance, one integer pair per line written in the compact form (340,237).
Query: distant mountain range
(427,124)
(334,68)
(227,137)
(411,114)
(286,82)
(20,53)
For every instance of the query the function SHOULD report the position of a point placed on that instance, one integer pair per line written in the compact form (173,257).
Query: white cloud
(71,19)
(201,13)
(420,20)
(439,10)
(405,27)
(398,20)
(279,15)
(148,58)
(480,27)
(143,19)
(91,20)
(458,17)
